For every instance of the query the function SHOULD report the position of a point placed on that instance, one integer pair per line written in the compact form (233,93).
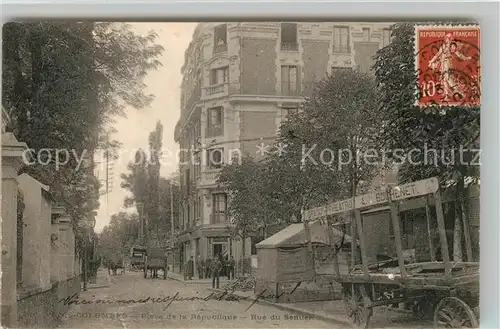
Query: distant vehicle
(137,257)
(156,259)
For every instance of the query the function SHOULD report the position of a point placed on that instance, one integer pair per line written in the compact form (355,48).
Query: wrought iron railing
(215,89)
(290,46)
(219,218)
(220,48)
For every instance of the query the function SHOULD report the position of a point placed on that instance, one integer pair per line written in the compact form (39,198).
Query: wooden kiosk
(443,290)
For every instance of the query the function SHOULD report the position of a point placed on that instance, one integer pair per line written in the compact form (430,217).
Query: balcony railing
(290,46)
(216,90)
(341,49)
(220,48)
(214,131)
(219,218)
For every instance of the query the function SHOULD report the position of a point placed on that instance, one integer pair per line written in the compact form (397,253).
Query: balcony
(208,178)
(216,91)
(220,48)
(289,46)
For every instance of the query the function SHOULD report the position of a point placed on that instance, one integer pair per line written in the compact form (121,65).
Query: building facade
(240,80)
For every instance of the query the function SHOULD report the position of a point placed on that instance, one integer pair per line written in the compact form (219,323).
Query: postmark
(447,62)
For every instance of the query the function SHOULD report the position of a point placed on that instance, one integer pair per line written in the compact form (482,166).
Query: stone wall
(42,308)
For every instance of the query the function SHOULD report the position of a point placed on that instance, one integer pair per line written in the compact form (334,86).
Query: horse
(114,266)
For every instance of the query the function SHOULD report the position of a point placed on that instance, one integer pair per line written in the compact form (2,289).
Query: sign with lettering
(394,193)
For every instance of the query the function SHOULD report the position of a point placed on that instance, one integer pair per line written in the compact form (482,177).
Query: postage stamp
(447,62)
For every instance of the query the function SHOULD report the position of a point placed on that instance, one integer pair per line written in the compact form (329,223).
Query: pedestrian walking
(190,268)
(216,267)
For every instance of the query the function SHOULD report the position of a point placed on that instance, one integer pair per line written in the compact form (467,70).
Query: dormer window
(220,38)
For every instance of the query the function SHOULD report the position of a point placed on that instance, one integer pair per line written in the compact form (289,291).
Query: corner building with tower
(240,80)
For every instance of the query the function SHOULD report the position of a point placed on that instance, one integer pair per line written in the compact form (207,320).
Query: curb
(285,307)
(189,281)
(98,286)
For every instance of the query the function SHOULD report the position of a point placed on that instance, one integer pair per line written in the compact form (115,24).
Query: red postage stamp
(447,62)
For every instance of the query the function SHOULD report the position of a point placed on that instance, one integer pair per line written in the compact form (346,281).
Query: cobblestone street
(179,314)
(105,308)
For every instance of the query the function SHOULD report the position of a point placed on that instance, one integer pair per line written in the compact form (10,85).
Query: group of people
(210,268)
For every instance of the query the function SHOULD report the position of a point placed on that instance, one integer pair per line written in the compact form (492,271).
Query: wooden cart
(445,291)
(137,257)
(156,259)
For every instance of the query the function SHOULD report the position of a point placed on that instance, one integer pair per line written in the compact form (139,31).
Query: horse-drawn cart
(156,259)
(442,290)
(137,257)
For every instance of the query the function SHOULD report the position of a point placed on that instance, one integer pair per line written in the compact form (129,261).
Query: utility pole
(140,205)
(85,263)
(172,226)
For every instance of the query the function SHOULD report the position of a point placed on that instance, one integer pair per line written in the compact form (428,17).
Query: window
(366,34)
(220,38)
(215,158)
(219,207)
(219,76)
(215,122)
(289,36)
(289,80)
(386,37)
(341,42)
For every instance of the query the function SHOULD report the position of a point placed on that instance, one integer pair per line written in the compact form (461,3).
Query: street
(181,313)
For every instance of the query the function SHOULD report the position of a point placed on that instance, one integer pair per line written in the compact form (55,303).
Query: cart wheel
(423,309)
(356,300)
(452,312)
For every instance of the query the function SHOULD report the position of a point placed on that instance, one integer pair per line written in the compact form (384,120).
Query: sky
(134,129)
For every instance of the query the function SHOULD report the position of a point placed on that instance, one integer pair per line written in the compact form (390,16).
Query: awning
(294,235)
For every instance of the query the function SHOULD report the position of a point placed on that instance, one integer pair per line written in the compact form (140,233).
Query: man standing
(190,268)
(208,268)
(201,268)
(230,268)
(216,267)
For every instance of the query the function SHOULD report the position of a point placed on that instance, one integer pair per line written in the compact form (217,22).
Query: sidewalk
(103,280)
(180,277)
(333,311)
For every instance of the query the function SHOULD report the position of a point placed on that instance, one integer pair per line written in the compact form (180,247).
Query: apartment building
(240,80)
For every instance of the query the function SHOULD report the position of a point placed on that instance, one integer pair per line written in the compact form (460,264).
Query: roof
(294,235)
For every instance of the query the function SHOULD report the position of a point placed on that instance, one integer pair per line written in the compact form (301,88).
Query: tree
(137,183)
(153,170)
(250,207)
(119,235)
(336,127)
(169,198)
(62,85)
(315,159)
(446,130)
